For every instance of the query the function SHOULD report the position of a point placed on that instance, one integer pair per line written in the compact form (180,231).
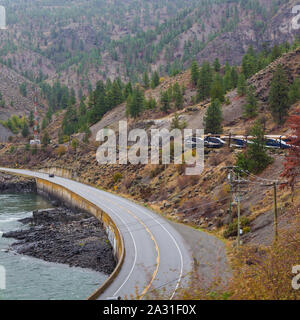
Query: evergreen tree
(279,95)
(135,102)
(82,108)
(276,53)
(116,92)
(217,91)
(165,101)
(213,118)
(25,130)
(249,63)
(150,103)
(294,91)
(227,80)
(217,65)
(146,80)
(194,73)
(23,89)
(241,85)
(177,124)
(255,159)
(44,123)
(60,137)
(127,90)
(234,77)
(70,121)
(204,82)
(178,96)
(45,139)
(155,80)
(31,119)
(250,108)
(72,97)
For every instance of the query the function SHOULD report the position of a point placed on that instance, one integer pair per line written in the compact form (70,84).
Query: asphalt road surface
(157,258)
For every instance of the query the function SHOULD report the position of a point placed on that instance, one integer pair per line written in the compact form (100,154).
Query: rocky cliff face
(261,81)
(14,184)
(4,133)
(231,46)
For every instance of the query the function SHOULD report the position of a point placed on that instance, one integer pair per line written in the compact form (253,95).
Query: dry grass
(266,273)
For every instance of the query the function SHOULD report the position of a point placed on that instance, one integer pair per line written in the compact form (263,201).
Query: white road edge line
(171,236)
(135,249)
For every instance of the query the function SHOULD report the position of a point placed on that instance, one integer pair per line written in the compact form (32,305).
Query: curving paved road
(156,256)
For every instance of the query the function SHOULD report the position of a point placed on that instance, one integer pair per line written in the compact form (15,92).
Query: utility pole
(230,168)
(35,130)
(230,198)
(275,209)
(275,212)
(239,212)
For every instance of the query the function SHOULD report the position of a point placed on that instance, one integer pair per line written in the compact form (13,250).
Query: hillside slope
(80,43)
(198,200)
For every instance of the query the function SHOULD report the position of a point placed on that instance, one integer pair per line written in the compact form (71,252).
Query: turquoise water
(31,278)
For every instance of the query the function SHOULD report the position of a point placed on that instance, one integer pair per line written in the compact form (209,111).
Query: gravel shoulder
(209,254)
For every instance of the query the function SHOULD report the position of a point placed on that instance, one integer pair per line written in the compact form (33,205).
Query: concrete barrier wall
(76,201)
(60,172)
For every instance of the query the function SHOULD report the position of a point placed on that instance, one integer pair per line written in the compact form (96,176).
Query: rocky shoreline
(15,184)
(63,236)
(60,234)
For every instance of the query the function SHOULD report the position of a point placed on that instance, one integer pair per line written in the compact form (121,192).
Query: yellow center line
(155,243)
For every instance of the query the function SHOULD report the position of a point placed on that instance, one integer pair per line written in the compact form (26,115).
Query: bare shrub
(267,274)
(61,150)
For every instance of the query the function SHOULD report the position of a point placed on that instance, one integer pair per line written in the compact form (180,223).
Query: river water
(30,278)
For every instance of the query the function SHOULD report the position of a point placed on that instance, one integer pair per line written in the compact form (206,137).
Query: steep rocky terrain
(198,200)
(81,43)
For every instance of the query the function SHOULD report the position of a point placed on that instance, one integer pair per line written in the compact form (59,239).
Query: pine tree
(276,53)
(217,65)
(165,101)
(82,108)
(213,118)
(72,97)
(25,130)
(135,103)
(217,91)
(194,73)
(294,91)
(44,123)
(45,139)
(234,77)
(146,80)
(255,159)
(177,124)
(70,121)
(127,90)
(31,119)
(155,80)
(204,82)
(249,63)
(250,108)
(116,93)
(227,80)
(241,85)
(150,103)
(177,95)
(279,95)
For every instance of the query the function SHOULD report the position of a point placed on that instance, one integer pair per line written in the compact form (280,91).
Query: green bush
(231,230)
(117,177)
